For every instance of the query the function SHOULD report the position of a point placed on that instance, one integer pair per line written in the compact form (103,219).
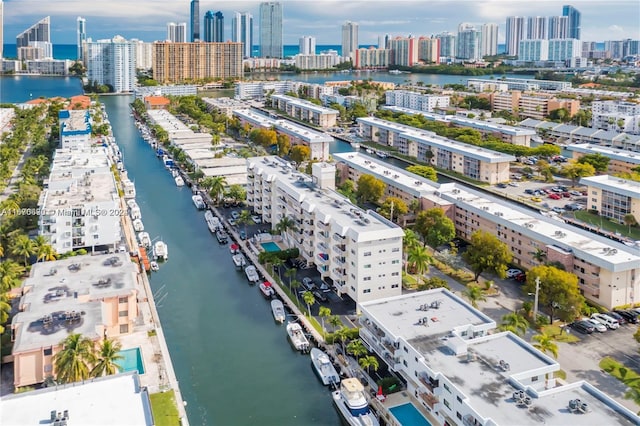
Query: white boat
(267,289)
(154,266)
(234,248)
(145,239)
(395,72)
(138,226)
(179,181)
(252,274)
(324,368)
(352,404)
(239,260)
(134,212)
(369,151)
(212,222)
(382,154)
(297,337)
(198,202)
(132,203)
(277,309)
(355,145)
(160,250)
(222,236)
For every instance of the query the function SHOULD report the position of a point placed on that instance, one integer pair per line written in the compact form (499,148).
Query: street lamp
(535,299)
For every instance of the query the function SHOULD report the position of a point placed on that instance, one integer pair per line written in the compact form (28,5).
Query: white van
(612,323)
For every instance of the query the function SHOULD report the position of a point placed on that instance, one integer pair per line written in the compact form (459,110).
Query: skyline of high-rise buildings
(242,31)
(213,27)
(195,20)
(271,45)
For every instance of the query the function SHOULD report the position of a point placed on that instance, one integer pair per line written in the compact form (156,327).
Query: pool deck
(396,399)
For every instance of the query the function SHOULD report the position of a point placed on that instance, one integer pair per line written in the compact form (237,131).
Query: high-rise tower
(242,31)
(558,27)
(574,20)
(349,38)
(489,40)
(177,33)
(271,30)
(35,42)
(213,27)
(81,39)
(195,20)
(536,28)
(514,33)
(468,42)
(307,45)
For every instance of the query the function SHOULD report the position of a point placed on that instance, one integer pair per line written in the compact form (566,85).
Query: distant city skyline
(322,19)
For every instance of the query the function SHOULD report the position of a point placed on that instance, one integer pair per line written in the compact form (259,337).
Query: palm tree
(39,245)
(309,300)
(10,273)
(276,263)
(286,224)
(48,253)
(295,285)
(369,362)
(356,348)
(324,312)
(72,362)
(515,323)
(475,294)
(544,343)
(291,274)
(630,220)
(342,334)
(5,310)
(23,246)
(539,255)
(245,219)
(106,355)
(419,259)
(215,186)
(409,242)
(335,321)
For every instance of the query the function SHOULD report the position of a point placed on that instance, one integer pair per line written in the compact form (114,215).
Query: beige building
(95,296)
(534,105)
(613,197)
(305,110)
(182,62)
(620,160)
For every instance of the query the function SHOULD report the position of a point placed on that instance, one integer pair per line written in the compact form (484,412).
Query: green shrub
(390,385)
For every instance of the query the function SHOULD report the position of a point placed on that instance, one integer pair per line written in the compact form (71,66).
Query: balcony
(322,258)
(338,237)
(428,383)
(430,400)
(339,271)
(340,259)
(340,248)
(322,246)
(323,234)
(308,233)
(469,420)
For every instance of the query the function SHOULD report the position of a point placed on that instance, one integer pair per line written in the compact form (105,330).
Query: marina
(297,337)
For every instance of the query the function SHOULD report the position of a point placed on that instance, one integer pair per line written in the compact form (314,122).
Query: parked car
(566,195)
(558,210)
(235,214)
(617,316)
(319,296)
(513,184)
(243,235)
(501,185)
(610,322)
(512,273)
(536,199)
(520,277)
(232,222)
(256,219)
(324,287)
(529,191)
(583,327)
(575,193)
(554,196)
(629,316)
(308,284)
(601,328)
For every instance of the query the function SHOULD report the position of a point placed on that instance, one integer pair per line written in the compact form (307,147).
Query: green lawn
(163,406)
(559,335)
(618,370)
(606,224)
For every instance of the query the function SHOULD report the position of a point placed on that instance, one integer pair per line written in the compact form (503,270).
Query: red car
(566,195)
(554,196)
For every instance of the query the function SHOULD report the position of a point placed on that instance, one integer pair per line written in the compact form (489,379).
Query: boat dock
(144,259)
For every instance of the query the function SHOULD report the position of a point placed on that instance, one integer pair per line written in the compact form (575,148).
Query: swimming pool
(408,415)
(270,246)
(131,361)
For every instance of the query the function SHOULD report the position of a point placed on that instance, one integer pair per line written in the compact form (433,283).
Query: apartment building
(305,110)
(317,142)
(371,58)
(173,90)
(180,62)
(613,197)
(618,116)
(112,62)
(322,61)
(608,272)
(525,84)
(403,51)
(415,100)
(510,134)
(359,251)
(533,105)
(569,134)
(462,371)
(533,50)
(620,160)
(75,129)
(79,206)
(429,50)
(225,106)
(474,162)
(94,296)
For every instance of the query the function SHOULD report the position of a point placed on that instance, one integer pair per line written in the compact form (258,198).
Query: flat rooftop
(166,120)
(80,190)
(75,121)
(305,104)
(430,138)
(107,401)
(328,205)
(613,153)
(304,133)
(618,185)
(76,284)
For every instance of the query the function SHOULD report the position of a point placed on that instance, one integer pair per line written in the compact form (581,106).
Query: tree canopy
(300,153)
(599,162)
(575,170)
(424,171)
(487,253)
(370,189)
(558,291)
(393,207)
(434,227)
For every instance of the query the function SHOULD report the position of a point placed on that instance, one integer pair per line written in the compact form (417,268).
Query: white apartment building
(416,101)
(618,116)
(474,162)
(371,58)
(359,251)
(533,50)
(307,45)
(317,142)
(305,110)
(322,61)
(112,62)
(258,90)
(143,54)
(525,84)
(608,272)
(565,50)
(461,371)
(79,205)
(142,92)
(75,129)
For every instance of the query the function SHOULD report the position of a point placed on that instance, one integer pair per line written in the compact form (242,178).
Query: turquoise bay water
(132,360)
(408,415)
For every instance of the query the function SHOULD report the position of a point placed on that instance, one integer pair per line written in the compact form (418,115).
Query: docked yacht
(198,202)
(252,274)
(144,238)
(352,404)
(239,260)
(324,368)
(160,250)
(277,309)
(212,222)
(138,226)
(179,181)
(222,236)
(297,337)
(153,265)
(382,154)
(267,289)
(134,212)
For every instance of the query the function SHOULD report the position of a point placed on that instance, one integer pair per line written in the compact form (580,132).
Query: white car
(513,183)
(599,326)
(256,219)
(512,273)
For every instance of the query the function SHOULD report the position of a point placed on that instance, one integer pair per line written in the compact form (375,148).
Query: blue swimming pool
(270,246)
(408,415)
(131,361)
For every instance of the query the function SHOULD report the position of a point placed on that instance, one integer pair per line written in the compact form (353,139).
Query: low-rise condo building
(596,261)
(620,160)
(95,296)
(416,101)
(359,251)
(616,115)
(317,142)
(523,84)
(79,205)
(75,128)
(533,104)
(225,106)
(305,110)
(461,371)
(613,197)
(471,161)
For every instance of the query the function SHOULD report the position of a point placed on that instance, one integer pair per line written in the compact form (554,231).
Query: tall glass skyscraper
(574,20)
(81,38)
(242,31)
(195,20)
(36,38)
(214,27)
(271,30)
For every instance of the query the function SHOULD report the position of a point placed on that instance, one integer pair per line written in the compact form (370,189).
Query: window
(404,348)
(534,379)
(395,285)
(366,279)
(124,328)
(123,300)
(368,266)
(48,351)
(395,262)
(459,399)
(458,415)
(395,274)
(367,253)
(123,313)
(446,387)
(446,404)
(366,290)
(395,250)
(48,368)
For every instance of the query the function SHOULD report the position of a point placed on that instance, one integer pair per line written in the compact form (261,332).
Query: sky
(146,19)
